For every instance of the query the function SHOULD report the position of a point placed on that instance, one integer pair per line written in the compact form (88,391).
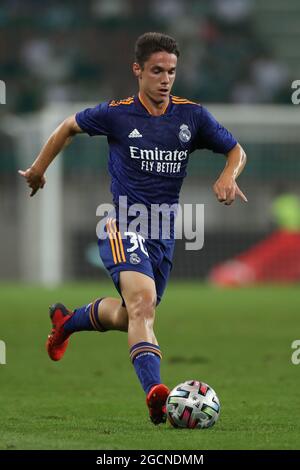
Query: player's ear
(136,68)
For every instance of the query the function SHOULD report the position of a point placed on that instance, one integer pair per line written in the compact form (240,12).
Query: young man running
(150,137)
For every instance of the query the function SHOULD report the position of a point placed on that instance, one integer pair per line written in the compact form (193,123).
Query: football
(193,404)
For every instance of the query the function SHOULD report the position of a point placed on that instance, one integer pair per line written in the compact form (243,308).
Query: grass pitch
(238,341)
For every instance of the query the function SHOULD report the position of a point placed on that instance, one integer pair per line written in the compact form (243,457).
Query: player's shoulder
(180,101)
(121,104)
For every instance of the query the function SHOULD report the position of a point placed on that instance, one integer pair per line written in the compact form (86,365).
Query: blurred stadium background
(238,57)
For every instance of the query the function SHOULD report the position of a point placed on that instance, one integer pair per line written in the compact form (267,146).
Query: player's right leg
(101,315)
(110,314)
(114,316)
(64,323)
(87,318)
(58,339)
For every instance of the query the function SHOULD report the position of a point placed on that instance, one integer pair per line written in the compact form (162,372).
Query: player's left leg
(139,294)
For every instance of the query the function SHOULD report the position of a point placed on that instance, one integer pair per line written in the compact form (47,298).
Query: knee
(142,305)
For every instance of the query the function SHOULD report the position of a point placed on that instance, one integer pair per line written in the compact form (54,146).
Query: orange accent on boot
(58,339)
(156,402)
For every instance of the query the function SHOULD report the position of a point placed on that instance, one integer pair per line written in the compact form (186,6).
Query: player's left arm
(226,188)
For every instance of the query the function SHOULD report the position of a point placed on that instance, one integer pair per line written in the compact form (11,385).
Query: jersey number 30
(137,241)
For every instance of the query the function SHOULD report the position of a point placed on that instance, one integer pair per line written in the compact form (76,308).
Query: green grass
(238,341)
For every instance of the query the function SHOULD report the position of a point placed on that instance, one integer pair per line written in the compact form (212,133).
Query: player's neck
(155,109)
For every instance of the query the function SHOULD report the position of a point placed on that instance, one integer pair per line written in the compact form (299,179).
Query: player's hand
(34,179)
(226,190)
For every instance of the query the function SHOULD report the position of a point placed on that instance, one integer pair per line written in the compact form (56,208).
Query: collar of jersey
(142,105)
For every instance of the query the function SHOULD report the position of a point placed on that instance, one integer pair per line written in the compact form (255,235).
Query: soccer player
(150,137)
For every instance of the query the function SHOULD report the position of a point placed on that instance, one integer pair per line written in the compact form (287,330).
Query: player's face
(157,76)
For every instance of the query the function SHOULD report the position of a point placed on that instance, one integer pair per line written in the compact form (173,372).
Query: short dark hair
(149,43)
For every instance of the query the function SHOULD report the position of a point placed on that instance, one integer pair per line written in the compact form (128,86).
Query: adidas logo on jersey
(134,133)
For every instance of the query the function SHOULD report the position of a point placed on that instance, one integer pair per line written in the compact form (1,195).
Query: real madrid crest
(184,133)
(134,258)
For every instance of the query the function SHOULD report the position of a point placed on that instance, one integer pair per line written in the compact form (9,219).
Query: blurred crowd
(70,50)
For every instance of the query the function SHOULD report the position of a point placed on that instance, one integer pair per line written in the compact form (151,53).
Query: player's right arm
(59,139)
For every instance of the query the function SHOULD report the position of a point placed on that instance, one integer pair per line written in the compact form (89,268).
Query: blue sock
(85,319)
(146,361)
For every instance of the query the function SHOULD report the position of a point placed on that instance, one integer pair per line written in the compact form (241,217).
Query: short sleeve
(211,134)
(94,121)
